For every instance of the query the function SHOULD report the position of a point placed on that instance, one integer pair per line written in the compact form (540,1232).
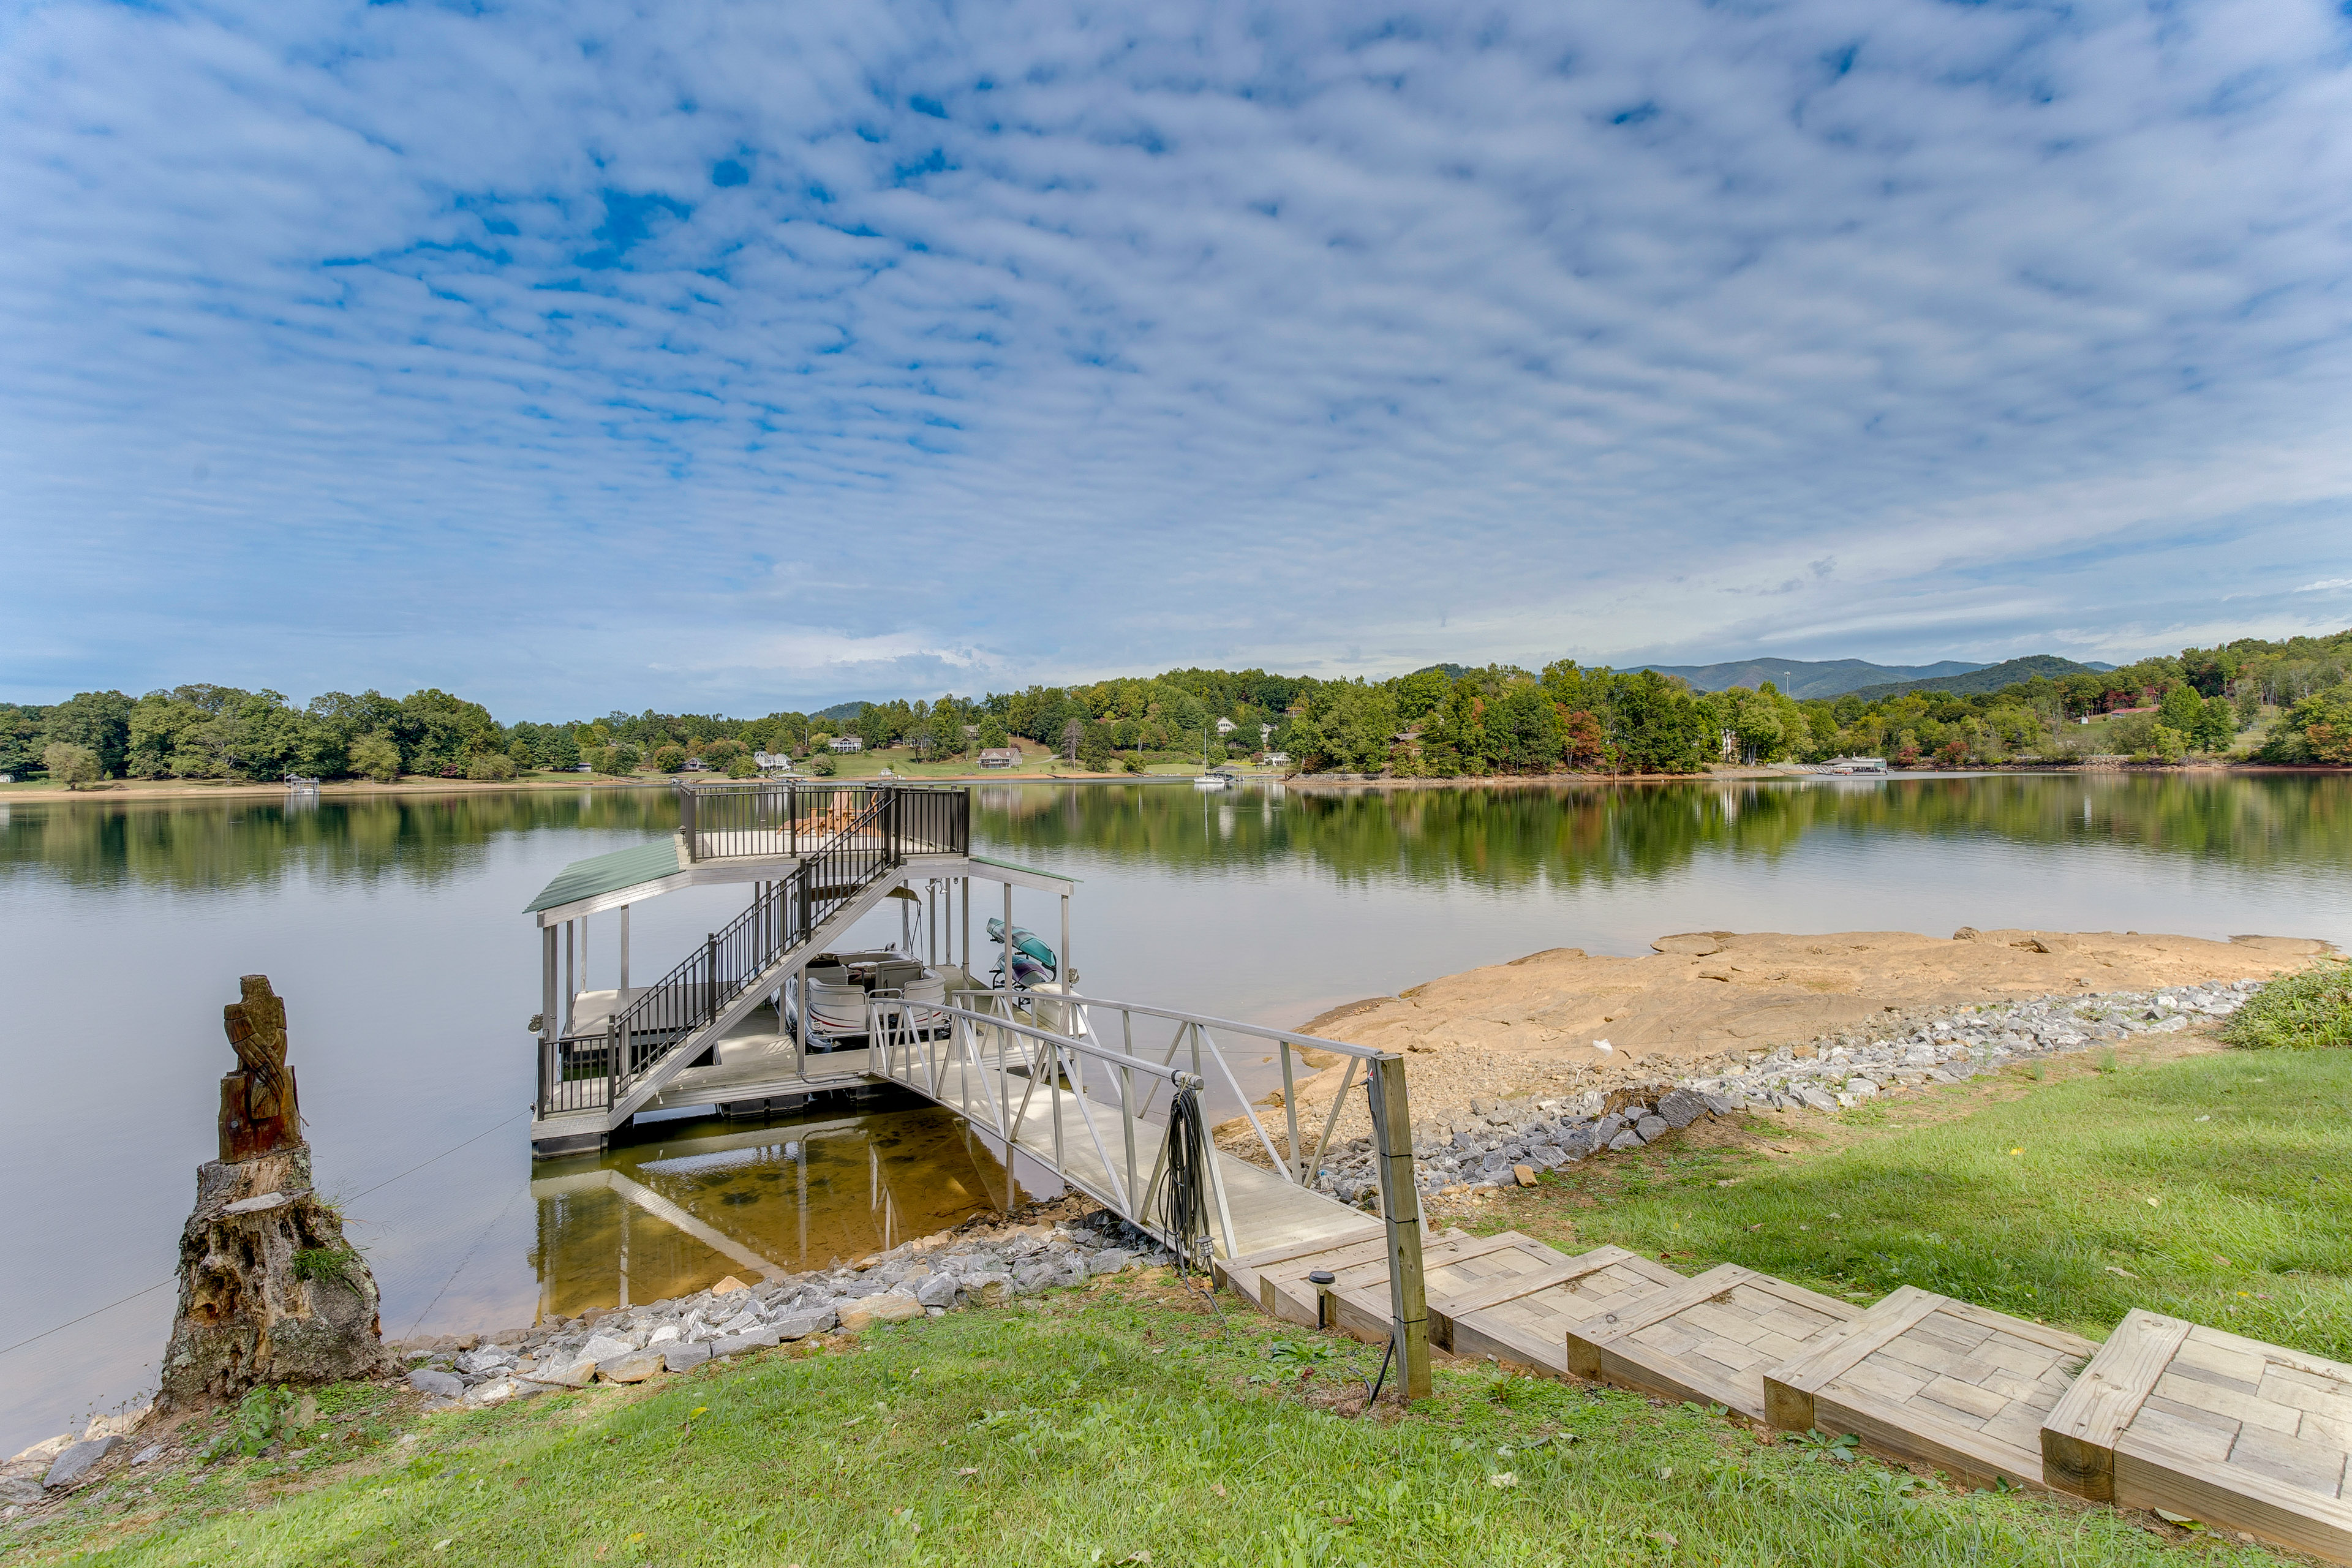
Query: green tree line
(1446,720)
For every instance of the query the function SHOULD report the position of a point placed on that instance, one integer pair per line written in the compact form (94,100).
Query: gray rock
(1721,1105)
(488,1359)
(1546,1154)
(79,1460)
(801,1325)
(1605,1131)
(1679,1108)
(1861,1089)
(23,1488)
(1816,1099)
(736,1344)
(148,1455)
(678,1358)
(1033,1277)
(439,1385)
(1629,1139)
(603,1348)
(1109,1260)
(936,1290)
(1652,1128)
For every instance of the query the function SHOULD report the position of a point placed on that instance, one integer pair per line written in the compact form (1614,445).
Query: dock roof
(610,873)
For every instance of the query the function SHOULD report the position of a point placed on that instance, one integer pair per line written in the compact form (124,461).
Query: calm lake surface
(390,926)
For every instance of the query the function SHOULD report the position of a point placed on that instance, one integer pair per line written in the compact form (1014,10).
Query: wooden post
(1401,1210)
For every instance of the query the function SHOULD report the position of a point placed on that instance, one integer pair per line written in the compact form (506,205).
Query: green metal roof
(608,874)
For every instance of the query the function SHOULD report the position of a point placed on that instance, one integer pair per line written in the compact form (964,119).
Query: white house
(848,744)
(1000,757)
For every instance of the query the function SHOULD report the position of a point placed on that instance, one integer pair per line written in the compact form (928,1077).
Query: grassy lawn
(1143,1428)
(1125,1419)
(2209,1185)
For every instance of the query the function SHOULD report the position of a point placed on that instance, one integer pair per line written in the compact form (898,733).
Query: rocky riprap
(1484,1145)
(919,1279)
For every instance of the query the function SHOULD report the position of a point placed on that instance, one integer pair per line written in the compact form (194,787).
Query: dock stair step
(1709,1339)
(2175,1415)
(1925,1377)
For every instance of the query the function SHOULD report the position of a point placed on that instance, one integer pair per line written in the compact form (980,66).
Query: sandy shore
(1704,1001)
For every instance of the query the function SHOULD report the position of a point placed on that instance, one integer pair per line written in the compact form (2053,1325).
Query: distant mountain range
(1795,677)
(1986,678)
(1808,678)
(1837,677)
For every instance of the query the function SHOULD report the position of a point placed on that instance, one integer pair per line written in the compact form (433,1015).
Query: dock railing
(769,818)
(1104,1068)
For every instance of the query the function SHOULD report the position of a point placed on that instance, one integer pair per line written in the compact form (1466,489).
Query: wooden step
(1360,1290)
(1710,1340)
(1527,1318)
(1925,1377)
(2174,1415)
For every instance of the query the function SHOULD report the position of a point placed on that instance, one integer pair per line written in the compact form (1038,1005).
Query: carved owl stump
(270,1291)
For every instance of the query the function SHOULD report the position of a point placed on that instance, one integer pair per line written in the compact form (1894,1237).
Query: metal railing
(1063,1035)
(766,818)
(998,1069)
(596,1072)
(1097,1100)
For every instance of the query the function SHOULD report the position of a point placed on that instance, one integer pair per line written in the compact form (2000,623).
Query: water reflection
(702,1199)
(1600,834)
(1499,838)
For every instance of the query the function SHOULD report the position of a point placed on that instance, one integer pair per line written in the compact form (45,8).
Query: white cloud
(2326,585)
(386,344)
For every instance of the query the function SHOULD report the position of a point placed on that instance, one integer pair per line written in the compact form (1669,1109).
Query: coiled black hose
(1184,1200)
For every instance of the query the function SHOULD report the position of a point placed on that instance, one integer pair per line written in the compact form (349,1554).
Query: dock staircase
(601,1080)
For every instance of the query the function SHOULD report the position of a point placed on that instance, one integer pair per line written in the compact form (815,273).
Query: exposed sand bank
(1708,998)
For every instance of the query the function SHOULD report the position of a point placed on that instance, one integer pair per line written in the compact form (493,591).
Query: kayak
(1024,939)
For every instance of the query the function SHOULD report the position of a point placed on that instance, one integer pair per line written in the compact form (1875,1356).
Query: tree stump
(270,1291)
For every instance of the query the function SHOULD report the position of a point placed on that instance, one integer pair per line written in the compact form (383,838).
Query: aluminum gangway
(1039,1073)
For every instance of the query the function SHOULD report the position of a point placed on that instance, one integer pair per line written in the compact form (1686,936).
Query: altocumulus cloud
(715,354)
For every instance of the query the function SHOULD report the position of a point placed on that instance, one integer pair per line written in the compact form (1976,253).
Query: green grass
(1055,1436)
(2212,1187)
(1099,1424)
(2309,1010)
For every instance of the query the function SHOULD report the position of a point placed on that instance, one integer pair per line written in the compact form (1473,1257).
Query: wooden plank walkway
(2167,1414)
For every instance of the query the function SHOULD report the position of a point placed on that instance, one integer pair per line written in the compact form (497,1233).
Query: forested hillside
(1446,720)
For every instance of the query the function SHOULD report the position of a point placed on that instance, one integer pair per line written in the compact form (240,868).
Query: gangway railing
(995,1068)
(1099,1101)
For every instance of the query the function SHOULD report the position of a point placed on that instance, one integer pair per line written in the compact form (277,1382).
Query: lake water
(390,926)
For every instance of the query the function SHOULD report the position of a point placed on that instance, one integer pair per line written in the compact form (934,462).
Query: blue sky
(704,356)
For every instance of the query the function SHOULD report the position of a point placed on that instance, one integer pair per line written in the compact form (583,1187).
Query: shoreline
(1710,1005)
(1311,784)
(356,789)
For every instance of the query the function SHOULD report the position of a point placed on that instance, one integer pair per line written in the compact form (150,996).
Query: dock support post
(571,974)
(1069,971)
(1008,938)
(625,955)
(1400,1210)
(549,1026)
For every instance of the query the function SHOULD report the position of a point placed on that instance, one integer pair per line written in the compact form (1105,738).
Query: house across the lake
(848,744)
(1000,757)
